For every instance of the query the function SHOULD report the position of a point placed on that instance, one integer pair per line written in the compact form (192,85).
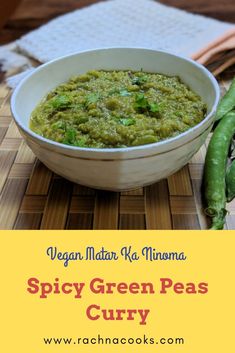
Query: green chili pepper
(227,103)
(215,167)
(230,182)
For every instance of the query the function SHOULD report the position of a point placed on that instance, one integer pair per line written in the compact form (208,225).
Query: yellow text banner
(112,291)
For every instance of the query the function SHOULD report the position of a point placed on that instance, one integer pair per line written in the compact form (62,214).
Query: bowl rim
(167,141)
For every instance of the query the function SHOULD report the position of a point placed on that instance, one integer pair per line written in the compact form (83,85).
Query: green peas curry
(111,109)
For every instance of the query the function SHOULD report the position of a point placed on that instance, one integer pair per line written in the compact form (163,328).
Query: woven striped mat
(32,197)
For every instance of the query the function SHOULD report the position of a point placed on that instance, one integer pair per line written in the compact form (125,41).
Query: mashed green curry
(105,109)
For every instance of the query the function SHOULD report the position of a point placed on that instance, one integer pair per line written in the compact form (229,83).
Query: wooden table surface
(32,197)
(31,13)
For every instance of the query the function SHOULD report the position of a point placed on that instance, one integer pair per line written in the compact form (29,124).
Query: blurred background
(18,17)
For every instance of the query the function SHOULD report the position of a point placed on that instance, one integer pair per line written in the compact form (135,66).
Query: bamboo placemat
(33,197)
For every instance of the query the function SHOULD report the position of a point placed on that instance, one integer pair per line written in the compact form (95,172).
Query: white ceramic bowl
(121,168)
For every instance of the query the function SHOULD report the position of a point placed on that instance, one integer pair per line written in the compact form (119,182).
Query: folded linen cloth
(220,54)
(124,23)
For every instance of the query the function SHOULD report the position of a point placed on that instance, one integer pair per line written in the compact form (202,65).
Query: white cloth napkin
(121,23)
(138,23)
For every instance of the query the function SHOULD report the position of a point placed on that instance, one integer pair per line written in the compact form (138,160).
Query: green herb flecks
(153,107)
(60,102)
(139,80)
(124,93)
(141,102)
(127,121)
(60,124)
(70,136)
(143,105)
(92,98)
